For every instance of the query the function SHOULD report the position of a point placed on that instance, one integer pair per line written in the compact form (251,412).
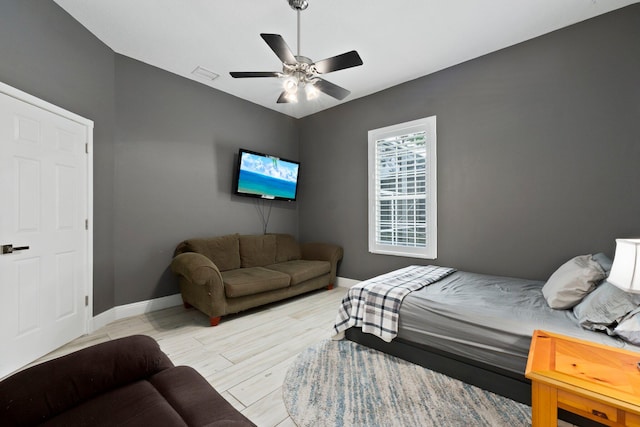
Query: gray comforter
(487,318)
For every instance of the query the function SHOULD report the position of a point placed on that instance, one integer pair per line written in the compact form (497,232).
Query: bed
(478,328)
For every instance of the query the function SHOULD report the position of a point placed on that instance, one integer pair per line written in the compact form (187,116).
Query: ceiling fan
(300,72)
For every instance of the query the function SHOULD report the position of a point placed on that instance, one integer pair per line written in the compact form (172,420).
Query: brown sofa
(232,273)
(124,382)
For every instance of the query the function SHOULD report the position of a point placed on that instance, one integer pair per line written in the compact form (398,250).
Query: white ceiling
(398,40)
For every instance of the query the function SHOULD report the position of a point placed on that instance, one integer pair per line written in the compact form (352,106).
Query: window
(402,189)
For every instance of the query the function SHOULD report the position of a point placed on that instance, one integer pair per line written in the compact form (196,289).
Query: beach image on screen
(267,176)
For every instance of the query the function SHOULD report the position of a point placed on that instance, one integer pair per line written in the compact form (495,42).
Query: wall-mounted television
(267,177)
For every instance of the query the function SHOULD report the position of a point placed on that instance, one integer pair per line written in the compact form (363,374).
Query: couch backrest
(287,248)
(257,250)
(261,250)
(224,251)
(234,251)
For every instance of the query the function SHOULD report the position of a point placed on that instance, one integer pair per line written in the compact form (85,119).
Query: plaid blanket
(374,304)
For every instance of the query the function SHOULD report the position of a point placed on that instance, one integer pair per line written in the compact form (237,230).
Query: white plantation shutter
(402,189)
(401,196)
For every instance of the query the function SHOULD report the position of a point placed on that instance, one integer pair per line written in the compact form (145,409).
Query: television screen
(267,177)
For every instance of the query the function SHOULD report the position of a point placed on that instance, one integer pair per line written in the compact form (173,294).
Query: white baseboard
(141,307)
(343,282)
(134,309)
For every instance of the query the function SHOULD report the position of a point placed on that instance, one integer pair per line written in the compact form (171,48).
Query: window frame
(428,126)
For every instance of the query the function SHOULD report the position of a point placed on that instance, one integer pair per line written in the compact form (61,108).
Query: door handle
(8,249)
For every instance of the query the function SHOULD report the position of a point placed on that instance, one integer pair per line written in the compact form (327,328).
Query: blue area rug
(341,383)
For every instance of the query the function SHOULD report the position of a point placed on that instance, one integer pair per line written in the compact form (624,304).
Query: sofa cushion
(135,404)
(224,251)
(287,248)
(302,270)
(250,281)
(257,250)
(77,377)
(194,399)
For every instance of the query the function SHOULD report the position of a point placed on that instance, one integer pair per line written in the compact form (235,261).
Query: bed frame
(485,376)
(497,380)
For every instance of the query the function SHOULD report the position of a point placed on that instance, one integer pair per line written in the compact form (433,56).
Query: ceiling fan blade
(243,74)
(340,62)
(279,47)
(331,89)
(284,99)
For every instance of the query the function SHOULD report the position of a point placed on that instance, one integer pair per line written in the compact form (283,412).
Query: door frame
(88,125)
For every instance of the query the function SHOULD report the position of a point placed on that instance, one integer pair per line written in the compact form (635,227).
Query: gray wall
(46,53)
(537,147)
(164,148)
(538,154)
(175,153)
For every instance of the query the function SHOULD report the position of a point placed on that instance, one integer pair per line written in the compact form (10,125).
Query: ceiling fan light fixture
(292,97)
(311,91)
(300,72)
(290,85)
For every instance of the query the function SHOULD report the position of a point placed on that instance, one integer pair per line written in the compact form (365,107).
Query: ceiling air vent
(204,73)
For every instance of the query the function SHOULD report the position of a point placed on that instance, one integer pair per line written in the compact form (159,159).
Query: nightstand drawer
(583,406)
(632,420)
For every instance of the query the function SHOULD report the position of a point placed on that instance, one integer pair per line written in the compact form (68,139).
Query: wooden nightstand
(595,381)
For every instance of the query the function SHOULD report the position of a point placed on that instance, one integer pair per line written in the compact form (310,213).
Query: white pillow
(572,281)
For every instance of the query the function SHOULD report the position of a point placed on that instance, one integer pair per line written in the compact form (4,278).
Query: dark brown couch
(124,382)
(232,273)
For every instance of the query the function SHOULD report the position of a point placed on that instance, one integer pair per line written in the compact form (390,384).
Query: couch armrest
(323,252)
(36,394)
(196,268)
(201,283)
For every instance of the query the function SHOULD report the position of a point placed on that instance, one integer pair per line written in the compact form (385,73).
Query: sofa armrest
(323,252)
(201,284)
(36,394)
(196,268)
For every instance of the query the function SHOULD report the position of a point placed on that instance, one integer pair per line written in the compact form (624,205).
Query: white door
(44,212)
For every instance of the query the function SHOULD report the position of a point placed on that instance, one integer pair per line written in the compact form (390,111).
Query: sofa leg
(330,286)
(214,321)
(187,305)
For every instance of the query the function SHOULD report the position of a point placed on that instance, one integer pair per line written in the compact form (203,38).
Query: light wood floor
(246,357)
